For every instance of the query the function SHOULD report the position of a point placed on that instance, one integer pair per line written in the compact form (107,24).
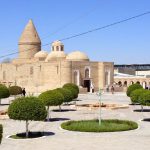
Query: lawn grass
(23,135)
(111,125)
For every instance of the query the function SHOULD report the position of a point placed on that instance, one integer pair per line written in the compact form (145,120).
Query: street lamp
(100,92)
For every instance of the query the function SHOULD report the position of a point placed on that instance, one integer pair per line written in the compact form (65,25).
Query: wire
(71,22)
(89,31)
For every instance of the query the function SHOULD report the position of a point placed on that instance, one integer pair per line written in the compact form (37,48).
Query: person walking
(24,92)
(112,89)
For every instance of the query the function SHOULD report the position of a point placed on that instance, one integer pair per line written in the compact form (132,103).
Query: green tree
(15,90)
(68,97)
(27,108)
(4,92)
(145,98)
(135,95)
(51,98)
(72,88)
(133,87)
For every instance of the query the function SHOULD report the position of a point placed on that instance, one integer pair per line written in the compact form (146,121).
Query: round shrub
(145,98)
(73,89)
(135,95)
(68,97)
(4,92)
(71,85)
(1,133)
(27,108)
(15,90)
(51,98)
(132,88)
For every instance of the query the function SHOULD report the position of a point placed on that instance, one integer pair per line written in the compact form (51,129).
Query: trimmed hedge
(133,87)
(15,90)
(68,97)
(27,108)
(4,92)
(1,133)
(51,98)
(135,95)
(145,98)
(72,88)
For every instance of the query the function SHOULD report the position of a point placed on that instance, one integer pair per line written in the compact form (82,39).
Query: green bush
(15,90)
(4,92)
(135,95)
(132,88)
(68,97)
(27,108)
(145,98)
(72,88)
(1,133)
(51,98)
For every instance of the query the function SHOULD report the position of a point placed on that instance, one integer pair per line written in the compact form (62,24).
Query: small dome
(55,55)
(41,54)
(57,43)
(77,56)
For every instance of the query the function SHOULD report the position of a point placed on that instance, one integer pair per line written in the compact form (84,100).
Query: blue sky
(126,43)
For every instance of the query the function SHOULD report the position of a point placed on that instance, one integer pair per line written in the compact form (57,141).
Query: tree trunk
(59,108)
(141,108)
(0,101)
(27,131)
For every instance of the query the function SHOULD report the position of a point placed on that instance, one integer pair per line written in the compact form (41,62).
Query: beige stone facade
(37,71)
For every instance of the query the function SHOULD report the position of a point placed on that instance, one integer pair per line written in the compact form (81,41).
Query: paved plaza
(59,139)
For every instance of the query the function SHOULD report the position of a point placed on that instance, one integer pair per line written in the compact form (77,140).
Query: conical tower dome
(30,35)
(29,43)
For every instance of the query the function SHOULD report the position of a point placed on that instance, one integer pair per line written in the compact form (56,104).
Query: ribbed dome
(55,55)
(57,43)
(30,34)
(77,56)
(41,54)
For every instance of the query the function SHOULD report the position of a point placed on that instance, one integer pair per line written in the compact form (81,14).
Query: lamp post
(100,111)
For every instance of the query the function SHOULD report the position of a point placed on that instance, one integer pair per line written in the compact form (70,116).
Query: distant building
(37,71)
(125,75)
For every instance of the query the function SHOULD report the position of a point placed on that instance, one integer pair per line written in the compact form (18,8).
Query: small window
(87,73)
(62,48)
(57,48)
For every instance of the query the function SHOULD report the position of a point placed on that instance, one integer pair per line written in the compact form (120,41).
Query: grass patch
(31,135)
(111,125)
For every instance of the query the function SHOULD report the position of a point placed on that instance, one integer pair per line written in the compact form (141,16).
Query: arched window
(62,48)
(120,83)
(57,48)
(138,82)
(125,83)
(131,82)
(87,73)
